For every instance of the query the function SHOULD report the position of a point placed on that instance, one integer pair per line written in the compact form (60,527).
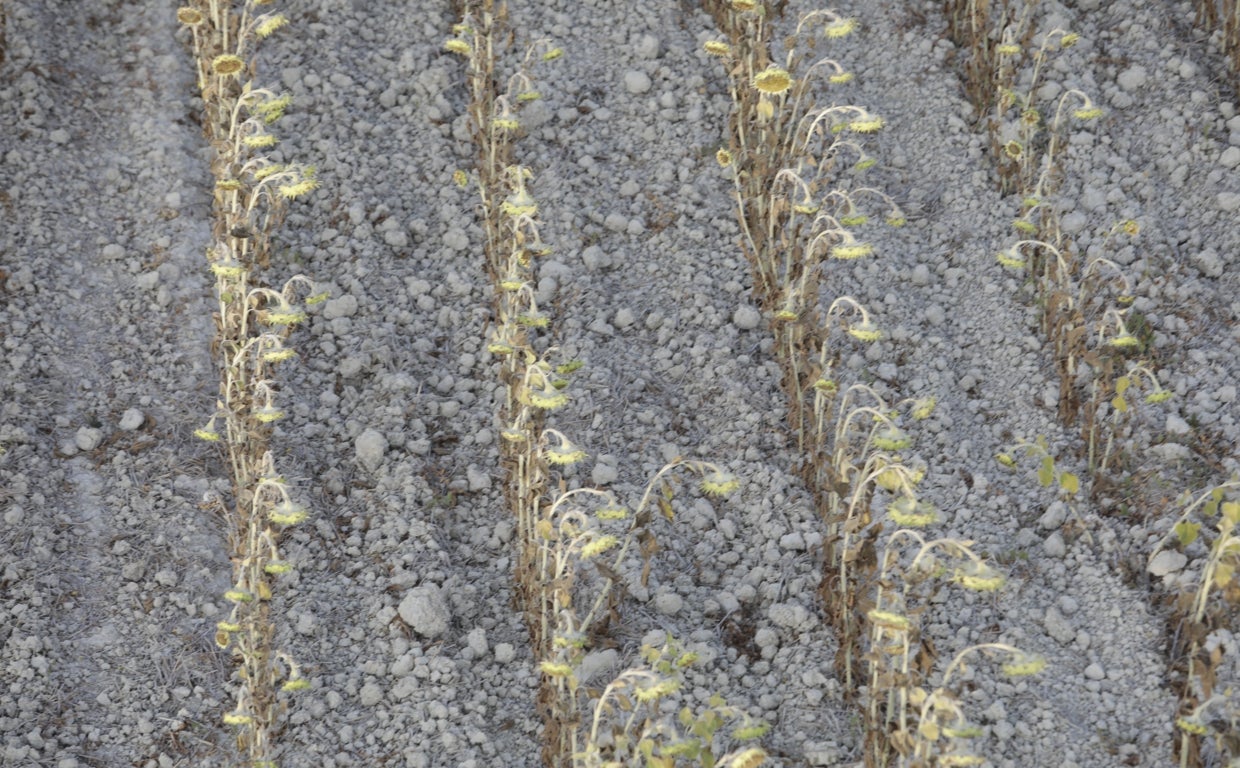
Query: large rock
(425,611)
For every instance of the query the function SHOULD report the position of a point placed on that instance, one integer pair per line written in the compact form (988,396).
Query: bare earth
(113,565)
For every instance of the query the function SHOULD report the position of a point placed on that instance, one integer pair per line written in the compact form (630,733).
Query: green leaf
(1069,482)
(665,507)
(1046,475)
(1122,384)
(645,747)
(1186,532)
(1223,574)
(1211,506)
(1231,512)
(1119,404)
(685,717)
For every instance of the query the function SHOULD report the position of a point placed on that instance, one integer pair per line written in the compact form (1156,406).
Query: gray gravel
(113,556)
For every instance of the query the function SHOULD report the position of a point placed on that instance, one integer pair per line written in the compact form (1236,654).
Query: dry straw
(253,326)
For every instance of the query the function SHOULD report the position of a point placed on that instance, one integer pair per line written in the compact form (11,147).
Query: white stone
(1058,627)
(1165,562)
(456,239)
(636,82)
(603,473)
(370,695)
(1228,202)
(1095,672)
(793,541)
(624,318)
(477,640)
(403,665)
(404,688)
(1208,263)
(370,447)
(668,603)
(1177,425)
(766,638)
(1132,78)
(341,306)
(350,366)
(648,47)
(818,753)
(59,136)
(598,665)
(596,258)
(505,653)
(1230,157)
(1169,452)
(1054,516)
(1054,545)
(1093,199)
(132,419)
(789,615)
(425,611)
(88,438)
(1074,222)
(746,317)
(478,480)
(306,624)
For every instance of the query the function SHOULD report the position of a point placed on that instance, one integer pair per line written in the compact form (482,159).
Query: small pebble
(766,638)
(1054,516)
(343,306)
(478,480)
(636,82)
(794,541)
(370,695)
(477,640)
(1132,78)
(1058,627)
(505,653)
(746,317)
(623,318)
(1175,425)
(668,603)
(88,438)
(370,447)
(788,615)
(604,474)
(648,47)
(132,419)
(1165,562)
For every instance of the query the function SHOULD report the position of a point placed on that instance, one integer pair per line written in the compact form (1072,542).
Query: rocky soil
(113,563)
